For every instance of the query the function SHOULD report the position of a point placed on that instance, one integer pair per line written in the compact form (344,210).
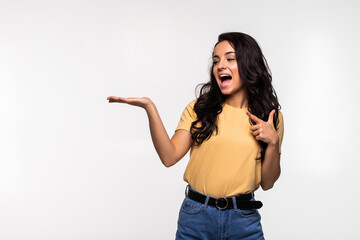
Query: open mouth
(224,78)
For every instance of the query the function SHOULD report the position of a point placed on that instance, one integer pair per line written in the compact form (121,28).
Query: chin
(226,92)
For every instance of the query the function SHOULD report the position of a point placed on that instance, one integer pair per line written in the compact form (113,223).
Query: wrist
(149,106)
(274,142)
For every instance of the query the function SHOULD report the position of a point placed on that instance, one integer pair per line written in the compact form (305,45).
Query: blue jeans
(202,222)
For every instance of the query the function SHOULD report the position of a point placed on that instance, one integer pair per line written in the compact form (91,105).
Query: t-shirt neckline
(235,108)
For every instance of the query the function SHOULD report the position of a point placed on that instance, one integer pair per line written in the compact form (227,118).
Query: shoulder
(280,114)
(280,120)
(192,104)
(188,116)
(189,110)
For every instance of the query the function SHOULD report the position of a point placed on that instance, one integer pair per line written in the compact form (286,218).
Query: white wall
(73,166)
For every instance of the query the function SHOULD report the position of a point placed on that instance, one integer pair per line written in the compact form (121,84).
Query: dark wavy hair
(256,78)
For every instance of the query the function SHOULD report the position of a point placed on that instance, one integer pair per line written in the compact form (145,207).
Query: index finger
(115,99)
(253,117)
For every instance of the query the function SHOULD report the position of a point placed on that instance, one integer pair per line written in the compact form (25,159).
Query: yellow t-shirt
(225,164)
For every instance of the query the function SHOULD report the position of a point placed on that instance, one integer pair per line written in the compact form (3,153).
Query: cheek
(236,73)
(235,69)
(215,74)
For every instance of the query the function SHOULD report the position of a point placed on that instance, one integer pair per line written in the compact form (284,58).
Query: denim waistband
(233,198)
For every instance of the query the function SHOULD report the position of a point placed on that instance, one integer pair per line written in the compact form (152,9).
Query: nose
(221,64)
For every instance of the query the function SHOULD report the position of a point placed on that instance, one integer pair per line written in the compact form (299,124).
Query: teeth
(224,77)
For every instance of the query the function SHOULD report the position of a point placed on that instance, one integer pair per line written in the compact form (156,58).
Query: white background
(73,166)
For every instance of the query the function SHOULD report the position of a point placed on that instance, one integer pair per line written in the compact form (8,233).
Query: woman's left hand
(262,130)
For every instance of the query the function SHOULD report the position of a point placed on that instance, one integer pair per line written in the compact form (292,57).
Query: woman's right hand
(143,102)
(169,150)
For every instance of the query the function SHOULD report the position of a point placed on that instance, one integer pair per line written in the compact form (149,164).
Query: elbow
(266,187)
(168,163)
(269,183)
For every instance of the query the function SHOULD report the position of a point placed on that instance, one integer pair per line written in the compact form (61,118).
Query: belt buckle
(221,204)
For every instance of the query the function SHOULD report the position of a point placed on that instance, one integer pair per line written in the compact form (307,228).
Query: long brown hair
(257,80)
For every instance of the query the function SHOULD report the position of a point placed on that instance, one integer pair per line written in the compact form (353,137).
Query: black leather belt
(242,201)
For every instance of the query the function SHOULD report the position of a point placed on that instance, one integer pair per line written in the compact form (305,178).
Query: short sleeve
(188,116)
(280,129)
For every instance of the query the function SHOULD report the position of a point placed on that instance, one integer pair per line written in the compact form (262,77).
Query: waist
(219,185)
(242,201)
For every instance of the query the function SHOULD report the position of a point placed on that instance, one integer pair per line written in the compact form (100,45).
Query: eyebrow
(227,53)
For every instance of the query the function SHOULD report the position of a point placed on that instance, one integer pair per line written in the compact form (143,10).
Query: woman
(234,130)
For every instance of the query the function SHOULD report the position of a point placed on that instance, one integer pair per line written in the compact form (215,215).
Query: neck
(237,101)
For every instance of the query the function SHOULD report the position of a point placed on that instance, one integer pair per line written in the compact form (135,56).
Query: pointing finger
(254,118)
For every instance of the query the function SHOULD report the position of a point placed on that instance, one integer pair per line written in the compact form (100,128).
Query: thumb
(271,116)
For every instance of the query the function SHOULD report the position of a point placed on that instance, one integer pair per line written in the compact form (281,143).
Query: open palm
(140,102)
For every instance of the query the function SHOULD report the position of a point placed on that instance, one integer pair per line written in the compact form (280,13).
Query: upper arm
(182,142)
(280,129)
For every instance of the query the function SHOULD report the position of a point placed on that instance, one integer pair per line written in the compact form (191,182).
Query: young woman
(234,130)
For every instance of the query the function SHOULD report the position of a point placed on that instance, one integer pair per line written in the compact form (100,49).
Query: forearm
(270,168)
(160,138)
